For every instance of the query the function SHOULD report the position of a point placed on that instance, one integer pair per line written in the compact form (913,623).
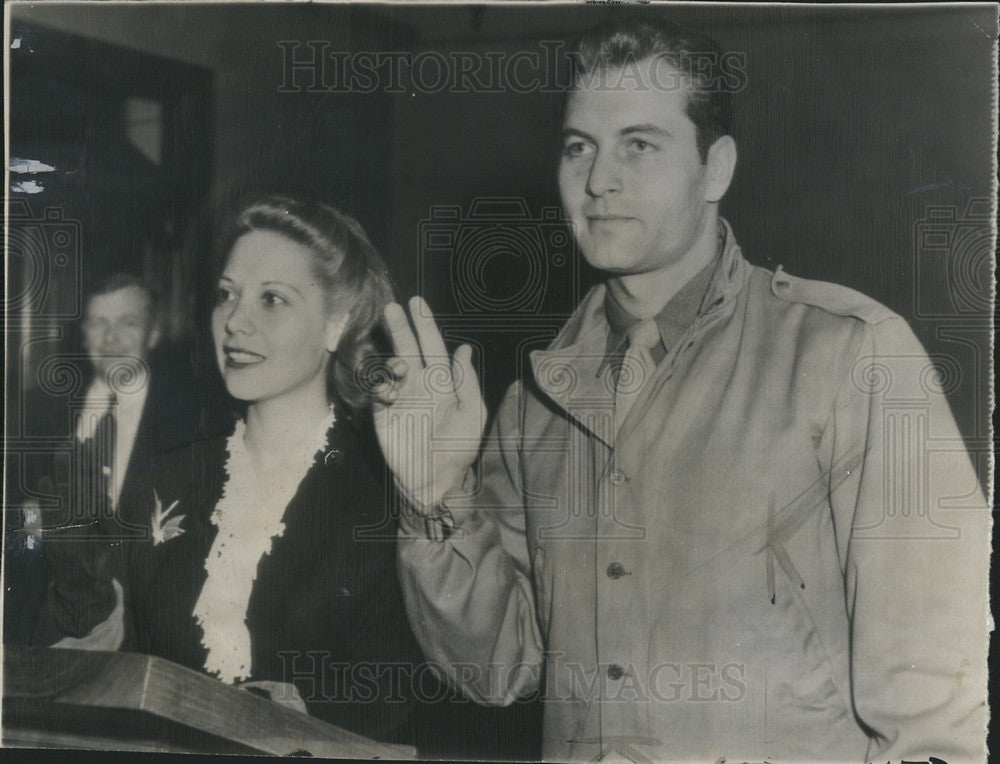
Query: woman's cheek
(216,323)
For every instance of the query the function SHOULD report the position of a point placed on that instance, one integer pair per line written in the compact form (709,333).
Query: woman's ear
(335,326)
(719,168)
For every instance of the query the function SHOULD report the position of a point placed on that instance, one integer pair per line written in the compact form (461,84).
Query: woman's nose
(240,320)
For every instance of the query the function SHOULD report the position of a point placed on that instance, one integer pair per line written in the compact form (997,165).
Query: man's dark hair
(122,280)
(698,58)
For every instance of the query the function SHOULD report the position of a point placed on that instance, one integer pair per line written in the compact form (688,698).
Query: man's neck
(643,295)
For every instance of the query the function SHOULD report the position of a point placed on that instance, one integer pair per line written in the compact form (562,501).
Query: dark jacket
(42,451)
(176,413)
(325,612)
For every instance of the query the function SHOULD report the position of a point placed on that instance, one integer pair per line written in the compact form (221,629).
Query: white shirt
(127,416)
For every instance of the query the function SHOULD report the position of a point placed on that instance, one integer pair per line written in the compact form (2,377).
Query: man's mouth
(608,220)
(238,358)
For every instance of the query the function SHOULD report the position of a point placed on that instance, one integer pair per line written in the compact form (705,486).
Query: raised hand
(431,419)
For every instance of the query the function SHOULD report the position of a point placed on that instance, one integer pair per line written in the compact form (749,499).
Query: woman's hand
(431,419)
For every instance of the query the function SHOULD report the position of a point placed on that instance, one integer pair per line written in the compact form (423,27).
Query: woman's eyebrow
(284,284)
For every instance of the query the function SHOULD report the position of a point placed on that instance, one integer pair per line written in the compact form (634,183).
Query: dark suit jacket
(41,464)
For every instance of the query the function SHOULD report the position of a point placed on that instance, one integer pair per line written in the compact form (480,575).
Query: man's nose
(604,176)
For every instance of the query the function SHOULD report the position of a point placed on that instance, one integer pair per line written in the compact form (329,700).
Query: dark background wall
(864,134)
(852,124)
(865,159)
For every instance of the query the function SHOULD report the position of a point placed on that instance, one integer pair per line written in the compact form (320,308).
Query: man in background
(131,407)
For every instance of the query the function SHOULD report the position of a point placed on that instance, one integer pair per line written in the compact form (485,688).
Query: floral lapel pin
(165,527)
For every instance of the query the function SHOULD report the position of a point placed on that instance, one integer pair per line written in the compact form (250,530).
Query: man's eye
(577,149)
(273,299)
(640,146)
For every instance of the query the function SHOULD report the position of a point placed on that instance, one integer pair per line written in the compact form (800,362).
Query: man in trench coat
(728,514)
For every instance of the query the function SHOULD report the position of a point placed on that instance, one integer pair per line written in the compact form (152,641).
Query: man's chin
(120,371)
(103,369)
(613,260)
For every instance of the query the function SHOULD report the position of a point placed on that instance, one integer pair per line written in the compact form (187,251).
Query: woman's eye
(223,294)
(273,299)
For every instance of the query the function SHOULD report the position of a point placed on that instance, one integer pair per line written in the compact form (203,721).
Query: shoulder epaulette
(833,298)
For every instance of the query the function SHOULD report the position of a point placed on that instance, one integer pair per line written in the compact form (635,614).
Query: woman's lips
(240,359)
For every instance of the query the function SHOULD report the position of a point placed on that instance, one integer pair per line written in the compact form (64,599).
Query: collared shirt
(674,317)
(761,562)
(128,410)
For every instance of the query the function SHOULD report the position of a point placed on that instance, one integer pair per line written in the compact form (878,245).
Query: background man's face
(118,324)
(630,176)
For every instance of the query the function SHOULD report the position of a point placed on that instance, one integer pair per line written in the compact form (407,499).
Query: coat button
(615,570)
(615,672)
(618,477)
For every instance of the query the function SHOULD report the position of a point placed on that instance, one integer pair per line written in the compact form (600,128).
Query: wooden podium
(54,698)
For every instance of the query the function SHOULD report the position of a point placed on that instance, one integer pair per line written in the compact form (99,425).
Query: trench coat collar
(571,371)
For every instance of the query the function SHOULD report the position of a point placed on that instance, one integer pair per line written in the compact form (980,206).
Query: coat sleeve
(469,593)
(79,594)
(90,598)
(913,532)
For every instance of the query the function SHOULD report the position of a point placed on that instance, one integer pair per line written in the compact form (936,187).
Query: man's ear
(154,337)
(719,168)
(335,326)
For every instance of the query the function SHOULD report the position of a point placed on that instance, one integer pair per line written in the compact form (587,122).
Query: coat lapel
(572,372)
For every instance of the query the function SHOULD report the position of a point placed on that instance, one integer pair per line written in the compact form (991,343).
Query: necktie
(105,441)
(95,467)
(636,369)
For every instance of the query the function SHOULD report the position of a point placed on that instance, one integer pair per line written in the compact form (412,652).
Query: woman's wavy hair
(351,273)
